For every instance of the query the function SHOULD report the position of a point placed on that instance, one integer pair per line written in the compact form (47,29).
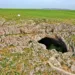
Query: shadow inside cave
(54,43)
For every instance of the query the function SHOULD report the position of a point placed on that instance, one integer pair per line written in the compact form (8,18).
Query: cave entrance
(54,43)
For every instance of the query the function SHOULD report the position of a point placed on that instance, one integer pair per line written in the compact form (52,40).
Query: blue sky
(64,4)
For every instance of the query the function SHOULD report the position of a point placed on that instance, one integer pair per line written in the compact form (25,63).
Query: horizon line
(41,8)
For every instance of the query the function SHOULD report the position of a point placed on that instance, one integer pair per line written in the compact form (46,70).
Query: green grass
(39,13)
(54,16)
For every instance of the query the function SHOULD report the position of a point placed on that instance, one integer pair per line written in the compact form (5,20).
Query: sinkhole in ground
(54,43)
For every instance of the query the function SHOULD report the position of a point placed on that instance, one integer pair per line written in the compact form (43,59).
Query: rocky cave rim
(56,43)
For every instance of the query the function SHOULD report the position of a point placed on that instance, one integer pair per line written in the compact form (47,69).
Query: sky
(36,4)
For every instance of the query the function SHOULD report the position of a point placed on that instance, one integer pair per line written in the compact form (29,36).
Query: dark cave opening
(54,43)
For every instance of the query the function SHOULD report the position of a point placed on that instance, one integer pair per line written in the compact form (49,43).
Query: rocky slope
(21,54)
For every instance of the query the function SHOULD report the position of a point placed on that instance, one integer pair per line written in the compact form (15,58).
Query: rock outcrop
(20,52)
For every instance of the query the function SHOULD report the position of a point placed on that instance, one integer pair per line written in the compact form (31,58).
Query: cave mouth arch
(54,43)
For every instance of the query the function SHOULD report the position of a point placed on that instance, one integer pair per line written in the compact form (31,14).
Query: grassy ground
(32,13)
(54,16)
